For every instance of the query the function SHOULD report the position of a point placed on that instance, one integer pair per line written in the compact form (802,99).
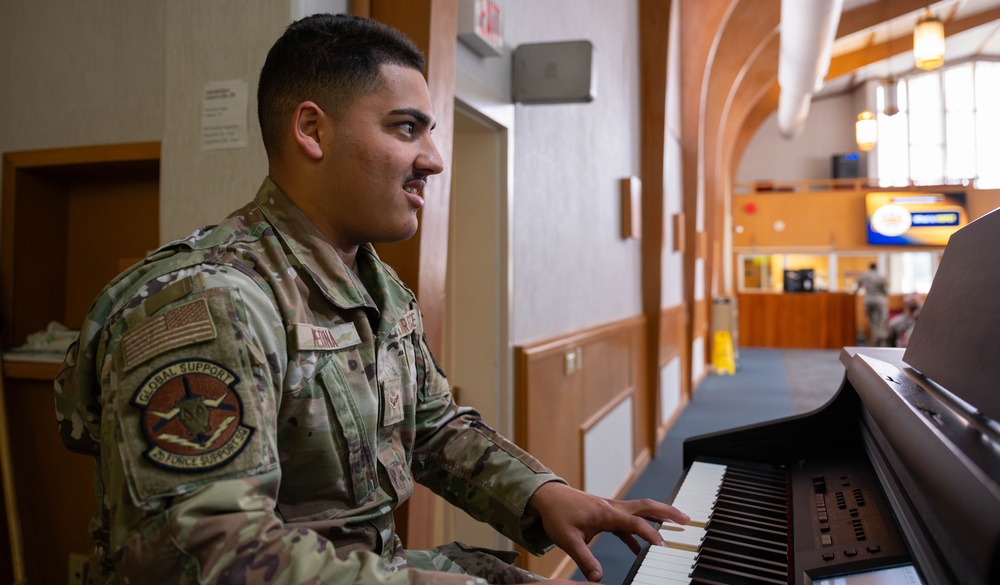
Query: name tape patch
(407,323)
(192,416)
(313,338)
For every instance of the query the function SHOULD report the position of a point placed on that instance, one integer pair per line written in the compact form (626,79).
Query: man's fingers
(584,559)
(652,510)
(648,533)
(629,541)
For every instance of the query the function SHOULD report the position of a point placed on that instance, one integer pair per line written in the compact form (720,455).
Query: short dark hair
(331,59)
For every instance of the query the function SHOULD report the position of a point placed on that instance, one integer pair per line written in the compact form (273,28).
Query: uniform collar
(324,266)
(313,251)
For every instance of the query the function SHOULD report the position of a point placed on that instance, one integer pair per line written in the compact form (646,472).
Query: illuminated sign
(914,219)
(479,27)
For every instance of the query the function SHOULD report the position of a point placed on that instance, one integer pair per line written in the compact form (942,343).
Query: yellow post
(723,353)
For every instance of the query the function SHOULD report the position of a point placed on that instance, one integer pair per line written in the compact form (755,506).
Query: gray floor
(768,384)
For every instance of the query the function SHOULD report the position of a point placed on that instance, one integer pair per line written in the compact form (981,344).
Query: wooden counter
(797,320)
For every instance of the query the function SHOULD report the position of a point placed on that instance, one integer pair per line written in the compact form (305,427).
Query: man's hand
(572,518)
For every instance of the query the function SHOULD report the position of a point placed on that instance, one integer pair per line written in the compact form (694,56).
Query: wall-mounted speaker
(554,73)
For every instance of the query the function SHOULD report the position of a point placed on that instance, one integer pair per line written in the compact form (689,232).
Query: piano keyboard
(738,531)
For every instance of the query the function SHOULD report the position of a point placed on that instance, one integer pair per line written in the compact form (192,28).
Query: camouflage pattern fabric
(257,410)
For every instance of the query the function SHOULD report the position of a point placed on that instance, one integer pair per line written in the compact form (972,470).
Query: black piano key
(750,567)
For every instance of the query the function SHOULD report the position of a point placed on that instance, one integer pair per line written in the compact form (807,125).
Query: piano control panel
(850,525)
(764,524)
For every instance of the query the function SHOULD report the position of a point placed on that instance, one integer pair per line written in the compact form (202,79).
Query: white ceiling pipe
(808,29)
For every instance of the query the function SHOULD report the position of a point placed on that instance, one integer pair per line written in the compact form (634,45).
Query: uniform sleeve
(190,380)
(465,461)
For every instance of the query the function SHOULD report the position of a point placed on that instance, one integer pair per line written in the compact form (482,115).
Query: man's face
(377,158)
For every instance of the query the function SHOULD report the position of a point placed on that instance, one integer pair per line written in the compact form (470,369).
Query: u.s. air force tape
(192,416)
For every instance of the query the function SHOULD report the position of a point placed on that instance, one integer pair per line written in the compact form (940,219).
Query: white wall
(672,283)
(211,41)
(828,130)
(80,73)
(114,71)
(572,270)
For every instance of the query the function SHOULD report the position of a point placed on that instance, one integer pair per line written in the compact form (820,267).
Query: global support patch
(192,416)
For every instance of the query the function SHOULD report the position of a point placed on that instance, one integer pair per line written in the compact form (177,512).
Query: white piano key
(687,537)
(695,503)
(649,580)
(664,574)
(699,492)
(662,569)
(666,551)
(655,560)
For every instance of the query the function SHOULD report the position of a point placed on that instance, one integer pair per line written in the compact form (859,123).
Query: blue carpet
(759,391)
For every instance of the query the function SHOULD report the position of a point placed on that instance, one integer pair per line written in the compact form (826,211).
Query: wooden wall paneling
(760,111)
(96,209)
(982,201)
(701,318)
(642,391)
(568,383)
(602,385)
(654,41)
(846,63)
(744,34)
(873,13)
(421,261)
(43,194)
(820,220)
(672,344)
(699,29)
(797,320)
(747,114)
(33,277)
(64,230)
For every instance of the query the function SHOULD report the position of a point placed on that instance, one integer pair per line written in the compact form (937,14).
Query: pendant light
(890,92)
(928,42)
(866,131)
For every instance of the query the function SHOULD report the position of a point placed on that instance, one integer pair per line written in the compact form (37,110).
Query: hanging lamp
(928,42)
(866,131)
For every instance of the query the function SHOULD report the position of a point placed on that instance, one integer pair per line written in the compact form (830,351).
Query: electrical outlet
(77,564)
(569,363)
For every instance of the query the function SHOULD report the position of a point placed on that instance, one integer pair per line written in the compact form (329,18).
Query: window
(947,130)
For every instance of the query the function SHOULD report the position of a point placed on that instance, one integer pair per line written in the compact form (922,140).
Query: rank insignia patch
(192,416)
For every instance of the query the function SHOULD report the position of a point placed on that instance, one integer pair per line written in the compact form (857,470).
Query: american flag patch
(183,325)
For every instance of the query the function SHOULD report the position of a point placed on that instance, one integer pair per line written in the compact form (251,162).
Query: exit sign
(479,27)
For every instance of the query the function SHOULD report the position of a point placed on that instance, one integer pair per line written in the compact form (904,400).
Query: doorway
(477,351)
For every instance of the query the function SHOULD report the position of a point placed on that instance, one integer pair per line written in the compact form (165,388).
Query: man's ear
(306,123)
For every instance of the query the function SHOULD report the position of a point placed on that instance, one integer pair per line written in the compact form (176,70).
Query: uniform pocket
(326,459)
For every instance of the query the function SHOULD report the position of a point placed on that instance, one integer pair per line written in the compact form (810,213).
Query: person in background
(876,292)
(899,327)
(259,397)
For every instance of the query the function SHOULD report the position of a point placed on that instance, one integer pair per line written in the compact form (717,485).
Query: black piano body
(896,480)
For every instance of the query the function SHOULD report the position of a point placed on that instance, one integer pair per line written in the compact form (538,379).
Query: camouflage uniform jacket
(257,410)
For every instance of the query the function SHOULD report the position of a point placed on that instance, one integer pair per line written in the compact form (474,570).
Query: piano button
(824,529)
(874,549)
(851,552)
(826,540)
(829,556)
(853,512)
